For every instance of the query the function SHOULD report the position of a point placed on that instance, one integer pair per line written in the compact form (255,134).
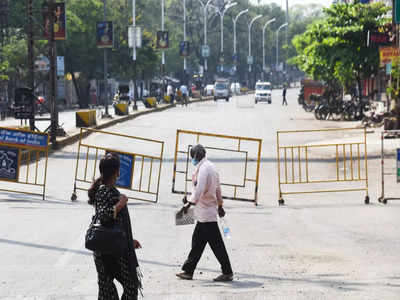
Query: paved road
(317,247)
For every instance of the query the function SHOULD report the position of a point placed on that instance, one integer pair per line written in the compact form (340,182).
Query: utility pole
(184,36)
(163,52)
(107,115)
(53,77)
(135,93)
(31,74)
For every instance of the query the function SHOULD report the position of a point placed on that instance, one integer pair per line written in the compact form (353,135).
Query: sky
(294,2)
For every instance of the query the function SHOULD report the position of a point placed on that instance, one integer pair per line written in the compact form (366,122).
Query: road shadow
(243,280)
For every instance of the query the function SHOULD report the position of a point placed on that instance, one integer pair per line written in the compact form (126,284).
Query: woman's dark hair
(198,152)
(109,166)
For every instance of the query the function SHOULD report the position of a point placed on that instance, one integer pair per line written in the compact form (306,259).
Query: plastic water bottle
(225,228)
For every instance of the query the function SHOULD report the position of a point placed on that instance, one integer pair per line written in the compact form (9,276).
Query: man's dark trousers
(204,233)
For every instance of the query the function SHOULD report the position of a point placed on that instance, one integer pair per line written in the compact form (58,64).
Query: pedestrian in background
(111,208)
(284,102)
(170,93)
(207,199)
(184,91)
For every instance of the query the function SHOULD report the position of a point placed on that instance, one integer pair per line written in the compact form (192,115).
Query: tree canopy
(334,49)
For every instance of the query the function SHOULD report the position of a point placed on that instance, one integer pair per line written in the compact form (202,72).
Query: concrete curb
(65,141)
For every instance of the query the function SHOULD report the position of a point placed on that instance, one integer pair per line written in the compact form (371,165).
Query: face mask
(194,161)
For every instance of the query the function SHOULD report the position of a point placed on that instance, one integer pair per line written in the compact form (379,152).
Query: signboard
(387,54)
(184,49)
(379,39)
(9,163)
(60,66)
(23,103)
(250,60)
(235,58)
(205,51)
(23,138)
(42,64)
(135,32)
(398,165)
(388,68)
(105,34)
(162,40)
(397,11)
(125,170)
(61,88)
(58,10)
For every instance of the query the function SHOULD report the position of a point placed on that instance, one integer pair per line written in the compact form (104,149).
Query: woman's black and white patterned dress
(125,268)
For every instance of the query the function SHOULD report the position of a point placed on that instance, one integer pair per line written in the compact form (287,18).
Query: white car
(263,92)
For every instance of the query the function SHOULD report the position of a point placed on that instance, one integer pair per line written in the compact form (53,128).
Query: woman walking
(111,208)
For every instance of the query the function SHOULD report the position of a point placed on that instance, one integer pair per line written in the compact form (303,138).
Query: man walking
(207,199)
(184,91)
(284,102)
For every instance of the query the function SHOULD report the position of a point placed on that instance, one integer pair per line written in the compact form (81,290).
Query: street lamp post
(263,43)
(277,48)
(234,28)
(250,25)
(135,93)
(205,7)
(163,52)
(184,35)
(221,15)
(277,43)
(105,65)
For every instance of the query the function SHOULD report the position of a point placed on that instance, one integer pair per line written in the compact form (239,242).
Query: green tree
(335,48)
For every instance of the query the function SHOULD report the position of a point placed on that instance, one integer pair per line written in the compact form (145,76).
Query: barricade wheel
(384,201)
(73,197)
(281,202)
(366,201)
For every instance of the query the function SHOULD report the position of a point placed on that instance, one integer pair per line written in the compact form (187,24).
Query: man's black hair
(198,152)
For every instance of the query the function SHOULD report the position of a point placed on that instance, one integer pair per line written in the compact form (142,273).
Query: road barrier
(167,99)
(298,168)
(137,168)
(86,118)
(392,169)
(233,155)
(121,109)
(150,102)
(21,152)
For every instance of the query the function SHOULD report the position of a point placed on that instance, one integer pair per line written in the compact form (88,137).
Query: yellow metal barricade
(347,158)
(23,161)
(237,160)
(140,168)
(390,167)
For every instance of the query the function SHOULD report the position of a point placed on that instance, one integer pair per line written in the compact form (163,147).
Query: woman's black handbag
(110,240)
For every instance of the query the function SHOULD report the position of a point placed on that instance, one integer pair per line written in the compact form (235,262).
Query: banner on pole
(58,11)
(184,49)
(205,51)
(105,34)
(162,39)
(135,32)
